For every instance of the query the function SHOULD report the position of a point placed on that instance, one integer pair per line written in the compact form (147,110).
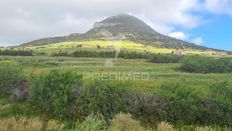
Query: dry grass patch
(24,124)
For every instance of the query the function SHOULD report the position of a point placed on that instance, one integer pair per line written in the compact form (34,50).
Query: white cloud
(4,44)
(219,6)
(22,12)
(26,20)
(178,35)
(198,41)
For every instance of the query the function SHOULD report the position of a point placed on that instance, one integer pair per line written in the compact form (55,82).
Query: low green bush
(10,76)
(180,103)
(207,65)
(61,95)
(105,54)
(189,106)
(216,108)
(52,94)
(167,59)
(16,53)
(102,97)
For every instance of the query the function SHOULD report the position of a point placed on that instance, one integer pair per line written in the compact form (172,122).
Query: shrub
(145,107)
(101,97)
(60,54)
(105,54)
(217,107)
(167,59)
(180,104)
(52,94)
(207,65)
(10,77)
(16,53)
(186,105)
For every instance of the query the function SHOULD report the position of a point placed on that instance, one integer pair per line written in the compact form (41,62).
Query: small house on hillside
(179,52)
(222,53)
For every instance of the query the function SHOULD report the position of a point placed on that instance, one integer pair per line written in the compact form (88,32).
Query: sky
(203,22)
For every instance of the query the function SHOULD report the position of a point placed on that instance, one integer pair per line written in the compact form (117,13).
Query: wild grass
(160,74)
(125,122)
(121,122)
(164,126)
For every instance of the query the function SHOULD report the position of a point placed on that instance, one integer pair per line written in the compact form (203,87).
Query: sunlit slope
(108,46)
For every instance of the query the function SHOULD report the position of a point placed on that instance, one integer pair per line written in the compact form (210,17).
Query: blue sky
(215,33)
(203,22)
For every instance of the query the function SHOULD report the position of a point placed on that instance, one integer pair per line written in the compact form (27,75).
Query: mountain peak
(127,28)
(123,24)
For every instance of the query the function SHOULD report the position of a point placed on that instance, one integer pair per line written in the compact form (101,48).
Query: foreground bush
(101,97)
(184,105)
(207,65)
(180,103)
(217,107)
(61,96)
(10,77)
(52,94)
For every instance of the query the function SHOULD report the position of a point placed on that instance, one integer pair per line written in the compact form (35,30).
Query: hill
(122,27)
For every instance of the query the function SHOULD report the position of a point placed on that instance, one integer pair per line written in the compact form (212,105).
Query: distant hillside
(123,27)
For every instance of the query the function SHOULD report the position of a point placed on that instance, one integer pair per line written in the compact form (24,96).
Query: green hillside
(124,28)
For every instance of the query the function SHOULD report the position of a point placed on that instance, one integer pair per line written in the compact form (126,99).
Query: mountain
(123,27)
(123,24)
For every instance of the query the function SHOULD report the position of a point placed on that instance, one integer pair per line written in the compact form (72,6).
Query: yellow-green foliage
(24,124)
(125,122)
(204,129)
(124,45)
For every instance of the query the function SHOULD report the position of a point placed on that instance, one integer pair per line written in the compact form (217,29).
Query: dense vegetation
(105,54)
(10,77)
(76,103)
(16,53)
(65,96)
(207,65)
(167,58)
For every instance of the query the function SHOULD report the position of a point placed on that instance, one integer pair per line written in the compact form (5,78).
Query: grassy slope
(159,73)
(106,45)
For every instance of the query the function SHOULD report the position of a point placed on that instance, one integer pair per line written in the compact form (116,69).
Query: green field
(194,87)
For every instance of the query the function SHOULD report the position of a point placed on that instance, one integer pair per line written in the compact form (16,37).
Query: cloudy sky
(204,22)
